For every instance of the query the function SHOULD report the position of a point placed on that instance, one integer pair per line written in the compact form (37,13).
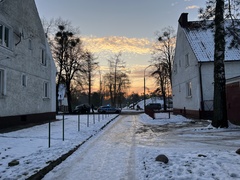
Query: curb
(41,173)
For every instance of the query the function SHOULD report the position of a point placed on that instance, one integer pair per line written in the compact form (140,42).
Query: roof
(233,80)
(202,43)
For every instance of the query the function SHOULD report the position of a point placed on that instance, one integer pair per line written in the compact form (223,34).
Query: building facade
(27,70)
(193,68)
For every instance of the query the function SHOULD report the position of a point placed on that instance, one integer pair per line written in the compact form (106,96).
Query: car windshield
(106,107)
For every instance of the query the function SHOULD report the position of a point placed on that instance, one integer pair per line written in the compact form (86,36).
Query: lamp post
(144,87)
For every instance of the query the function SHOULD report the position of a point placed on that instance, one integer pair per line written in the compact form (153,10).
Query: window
(30,44)
(175,68)
(189,89)
(2,82)
(43,57)
(4,36)
(1,35)
(46,90)
(24,80)
(186,60)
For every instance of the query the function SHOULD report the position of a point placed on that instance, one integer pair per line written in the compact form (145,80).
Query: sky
(125,148)
(108,27)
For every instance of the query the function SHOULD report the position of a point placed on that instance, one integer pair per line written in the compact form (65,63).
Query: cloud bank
(115,44)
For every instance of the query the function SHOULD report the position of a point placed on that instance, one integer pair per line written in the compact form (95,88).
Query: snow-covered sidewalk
(110,155)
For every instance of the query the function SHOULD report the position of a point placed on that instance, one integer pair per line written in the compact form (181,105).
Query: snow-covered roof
(202,43)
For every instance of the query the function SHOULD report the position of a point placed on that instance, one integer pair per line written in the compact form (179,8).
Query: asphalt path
(109,155)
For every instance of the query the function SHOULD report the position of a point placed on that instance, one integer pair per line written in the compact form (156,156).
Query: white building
(192,77)
(27,70)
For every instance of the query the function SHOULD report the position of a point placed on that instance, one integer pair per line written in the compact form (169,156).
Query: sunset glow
(108,27)
(134,51)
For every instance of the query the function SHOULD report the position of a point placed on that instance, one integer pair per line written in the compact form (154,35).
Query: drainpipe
(201,88)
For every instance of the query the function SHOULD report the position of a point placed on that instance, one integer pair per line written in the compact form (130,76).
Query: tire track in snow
(131,162)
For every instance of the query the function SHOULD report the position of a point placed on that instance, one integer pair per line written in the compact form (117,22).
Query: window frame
(5,38)
(187,62)
(43,57)
(2,82)
(46,90)
(24,80)
(189,89)
(175,68)
(30,44)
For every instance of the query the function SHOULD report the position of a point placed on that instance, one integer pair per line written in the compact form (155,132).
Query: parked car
(108,109)
(155,106)
(82,108)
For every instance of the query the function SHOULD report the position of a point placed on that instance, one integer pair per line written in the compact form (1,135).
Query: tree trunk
(163,93)
(57,103)
(57,86)
(69,97)
(89,88)
(220,109)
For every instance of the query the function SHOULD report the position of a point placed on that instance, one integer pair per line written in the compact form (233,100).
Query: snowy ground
(195,150)
(31,146)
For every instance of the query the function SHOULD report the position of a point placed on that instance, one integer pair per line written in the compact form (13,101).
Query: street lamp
(144,87)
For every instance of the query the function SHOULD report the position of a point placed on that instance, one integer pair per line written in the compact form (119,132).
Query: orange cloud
(115,44)
(192,7)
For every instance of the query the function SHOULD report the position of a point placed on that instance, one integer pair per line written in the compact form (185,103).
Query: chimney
(183,20)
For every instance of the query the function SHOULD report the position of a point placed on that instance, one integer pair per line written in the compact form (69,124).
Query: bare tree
(161,75)
(116,81)
(164,49)
(47,26)
(51,26)
(162,60)
(75,65)
(90,65)
(68,53)
(101,92)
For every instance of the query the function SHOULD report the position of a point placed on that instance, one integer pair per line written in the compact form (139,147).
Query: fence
(82,120)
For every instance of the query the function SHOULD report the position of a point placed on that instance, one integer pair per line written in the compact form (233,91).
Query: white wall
(182,75)
(232,69)
(185,74)
(25,24)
